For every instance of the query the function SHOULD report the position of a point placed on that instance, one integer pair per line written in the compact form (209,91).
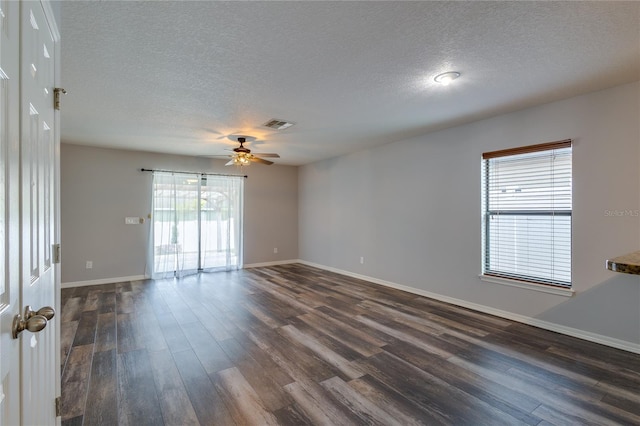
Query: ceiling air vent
(278,124)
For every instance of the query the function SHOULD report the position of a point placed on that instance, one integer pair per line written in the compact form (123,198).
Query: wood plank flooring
(296,345)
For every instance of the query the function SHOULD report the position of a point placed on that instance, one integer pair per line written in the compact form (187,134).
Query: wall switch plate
(133,220)
(275,249)
(362,260)
(89,264)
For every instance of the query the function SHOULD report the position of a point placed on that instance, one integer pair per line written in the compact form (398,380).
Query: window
(526,205)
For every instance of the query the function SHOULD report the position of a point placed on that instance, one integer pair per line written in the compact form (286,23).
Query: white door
(38,355)
(9,211)
(28,157)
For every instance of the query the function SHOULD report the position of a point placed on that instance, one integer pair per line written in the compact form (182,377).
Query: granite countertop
(627,264)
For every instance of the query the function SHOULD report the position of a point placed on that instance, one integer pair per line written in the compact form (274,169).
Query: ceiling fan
(243,156)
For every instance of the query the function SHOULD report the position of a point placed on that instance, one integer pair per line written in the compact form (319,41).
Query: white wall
(412,209)
(100,187)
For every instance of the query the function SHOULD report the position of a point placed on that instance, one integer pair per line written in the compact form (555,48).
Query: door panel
(9,211)
(38,276)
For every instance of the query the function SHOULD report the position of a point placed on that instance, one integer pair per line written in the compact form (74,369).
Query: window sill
(566,292)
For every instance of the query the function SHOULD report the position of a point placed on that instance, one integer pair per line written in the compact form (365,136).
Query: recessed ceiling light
(446,77)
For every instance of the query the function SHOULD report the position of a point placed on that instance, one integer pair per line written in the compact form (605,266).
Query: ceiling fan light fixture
(446,77)
(242,156)
(278,124)
(241,159)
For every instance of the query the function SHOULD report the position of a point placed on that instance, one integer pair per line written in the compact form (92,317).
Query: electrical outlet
(362,260)
(89,264)
(275,249)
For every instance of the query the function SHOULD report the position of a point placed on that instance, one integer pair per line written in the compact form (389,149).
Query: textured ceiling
(180,77)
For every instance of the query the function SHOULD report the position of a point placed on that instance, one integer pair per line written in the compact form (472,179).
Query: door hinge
(56,253)
(58,403)
(56,96)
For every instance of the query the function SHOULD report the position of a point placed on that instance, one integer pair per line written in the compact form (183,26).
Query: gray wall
(100,187)
(412,210)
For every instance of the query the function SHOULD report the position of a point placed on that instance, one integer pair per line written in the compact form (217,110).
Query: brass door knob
(48,312)
(34,324)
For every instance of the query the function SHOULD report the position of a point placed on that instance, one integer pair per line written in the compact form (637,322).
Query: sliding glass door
(221,222)
(197,223)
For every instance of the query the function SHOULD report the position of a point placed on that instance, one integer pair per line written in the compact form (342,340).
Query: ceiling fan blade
(230,163)
(260,154)
(261,161)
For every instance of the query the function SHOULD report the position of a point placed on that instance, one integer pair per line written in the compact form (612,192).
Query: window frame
(514,279)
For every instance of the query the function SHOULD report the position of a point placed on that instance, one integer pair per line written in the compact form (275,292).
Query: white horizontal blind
(527,205)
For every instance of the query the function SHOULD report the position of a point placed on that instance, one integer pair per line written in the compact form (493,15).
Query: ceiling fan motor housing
(241,148)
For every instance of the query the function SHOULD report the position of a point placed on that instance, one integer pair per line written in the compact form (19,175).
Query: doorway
(197,223)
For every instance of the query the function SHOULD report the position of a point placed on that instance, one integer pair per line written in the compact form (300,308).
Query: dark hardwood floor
(296,345)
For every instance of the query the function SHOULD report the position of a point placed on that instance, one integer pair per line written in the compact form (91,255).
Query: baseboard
(276,262)
(569,331)
(103,281)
